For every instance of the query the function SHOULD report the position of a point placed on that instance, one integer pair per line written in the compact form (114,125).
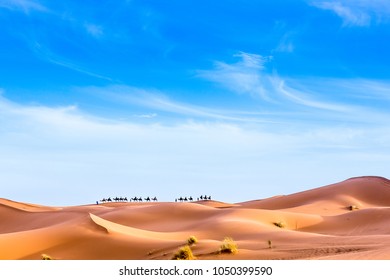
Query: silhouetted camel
(154,198)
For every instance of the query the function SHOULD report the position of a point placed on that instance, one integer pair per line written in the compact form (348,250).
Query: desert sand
(345,220)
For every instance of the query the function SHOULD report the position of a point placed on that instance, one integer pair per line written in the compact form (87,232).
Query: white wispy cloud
(44,53)
(157,100)
(359,88)
(249,76)
(298,97)
(241,77)
(357,12)
(349,15)
(146,116)
(94,30)
(23,5)
(285,44)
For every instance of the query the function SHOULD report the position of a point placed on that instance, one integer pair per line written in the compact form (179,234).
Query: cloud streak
(357,13)
(157,100)
(94,30)
(241,77)
(249,76)
(23,5)
(45,54)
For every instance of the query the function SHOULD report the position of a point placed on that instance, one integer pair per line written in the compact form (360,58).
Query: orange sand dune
(346,220)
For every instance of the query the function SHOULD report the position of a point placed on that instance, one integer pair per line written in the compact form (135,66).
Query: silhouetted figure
(201,197)
(147,199)
(140,199)
(125,199)
(155,199)
(209,198)
(190,198)
(109,199)
(181,199)
(185,199)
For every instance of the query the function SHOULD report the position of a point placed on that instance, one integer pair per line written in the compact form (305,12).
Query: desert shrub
(353,207)
(269,244)
(228,246)
(280,224)
(46,257)
(192,240)
(184,253)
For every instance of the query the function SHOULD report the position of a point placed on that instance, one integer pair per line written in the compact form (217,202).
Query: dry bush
(280,224)
(192,240)
(46,257)
(184,253)
(228,246)
(353,207)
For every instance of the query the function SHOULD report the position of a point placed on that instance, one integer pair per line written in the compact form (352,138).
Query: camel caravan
(124,199)
(149,199)
(190,199)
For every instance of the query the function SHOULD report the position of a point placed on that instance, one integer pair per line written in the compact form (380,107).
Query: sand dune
(346,220)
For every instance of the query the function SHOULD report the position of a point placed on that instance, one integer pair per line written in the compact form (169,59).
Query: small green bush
(192,240)
(184,253)
(228,246)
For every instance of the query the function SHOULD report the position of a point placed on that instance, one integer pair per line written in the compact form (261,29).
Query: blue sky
(235,99)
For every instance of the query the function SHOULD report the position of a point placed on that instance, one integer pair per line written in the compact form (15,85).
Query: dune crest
(28,207)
